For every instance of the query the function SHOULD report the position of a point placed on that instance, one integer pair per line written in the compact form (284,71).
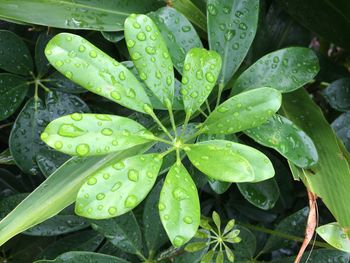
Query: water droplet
(180,194)
(150,175)
(136,25)
(70,130)
(235,46)
(242,26)
(143,76)
(100,196)
(100,207)
(210,77)
(59,63)
(222,109)
(112,210)
(130,43)
(178,241)
(212,10)
(81,48)
(92,181)
(107,131)
(93,54)
(169,80)
(161,207)
(58,145)
(187,66)
(119,165)
(121,75)
(186,28)
(194,94)
(147,108)
(48,52)
(150,50)
(184,80)
(106,176)
(76,116)
(136,56)
(115,95)
(131,93)
(116,186)
(165,54)
(131,201)
(133,175)
(148,28)
(141,36)
(44,136)
(188,220)
(229,34)
(204,157)
(83,149)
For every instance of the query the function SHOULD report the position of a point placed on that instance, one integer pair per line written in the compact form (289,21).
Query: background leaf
(338,94)
(341,127)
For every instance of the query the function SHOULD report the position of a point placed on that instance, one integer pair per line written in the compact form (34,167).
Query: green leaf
(262,194)
(341,127)
(154,234)
(113,37)
(14,56)
(284,136)
(245,249)
(25,142)
(88,66)
(80,241)
(178,34)
(338,94)
(41,62)
(179,206)
(60,83)
(335,235)
(13,90)
(335,22)
(49,160)
(320,179)
(57,192)
(232,26)
(292,225)
(230,224)
(94,134)
(220,257)
(9,202)
(229,254)
(244,111)
(200,73)
(195,246)
(217,220)
(285,70)
(82,14)
(217,160)
(151,57)
(319,256)
(218,187)
(77,256)
(118,188)
(122,231)
(58,225)
(207,257)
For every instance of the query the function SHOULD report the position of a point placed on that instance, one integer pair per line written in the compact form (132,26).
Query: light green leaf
(244,111)
(335,235)
(217,220)
(201,70)
(229,254)
(94,134)
(81,256)
(122,231)
(61,83)
(118,188)
(179,206)
(14,56)
(78,14)
(232,26)
(207,257)
(13,90)
(151,57)
(88,66)
(262,194)
(285,70)
(178,34)
(281,134)
(218,161)
(195,246)
(220,257)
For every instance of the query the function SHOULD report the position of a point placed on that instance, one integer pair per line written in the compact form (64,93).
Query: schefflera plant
(119,187)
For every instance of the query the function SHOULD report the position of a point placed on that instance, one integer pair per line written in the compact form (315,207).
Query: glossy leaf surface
(217,160)
(13,90)
(201,70)
(94,134)
(285,70)
(262,194)
(118,188)
(338,94)
(81,14)
(285,137)
(150,55)
(341,126)
(41,62)
(178,33)
(14,56)
(335,236)
(244,111)
(82,256)
(232,26)
(88,66)
(179,206)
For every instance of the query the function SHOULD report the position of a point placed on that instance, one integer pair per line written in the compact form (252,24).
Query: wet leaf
(319,256)
(14,54)
(262,194)
(338,94)
(335,235)
(218,187)
(118,188)
(232,26)
(285,70)
(41,62)
(13,90)
(80,61)
(218,161)
(113,37)
(60,83)
(95,15)
(49,160)
(122,231)
(243,111)
(341,126)
(94,134)
(178,33)
(179,206)
(201,70)
(285,137)
(151,57)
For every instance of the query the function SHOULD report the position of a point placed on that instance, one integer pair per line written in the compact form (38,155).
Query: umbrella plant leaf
(179,206)
(232,26)
(244,111)
(338,94)
(285,70)
(335,235)
(201,70)
(118,188)
(94,134)
(91,68)
(285,137)
(218,161)
(151,57)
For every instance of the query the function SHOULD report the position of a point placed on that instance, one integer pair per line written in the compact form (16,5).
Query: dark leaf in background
(338,94)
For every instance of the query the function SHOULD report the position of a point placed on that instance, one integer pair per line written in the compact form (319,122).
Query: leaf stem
(178,158)
(203,113)
(165,130)
(208,106)
(184,126)
(198,132)
(159,139)
(44,87)
(172,120)
(6,125)
(220,89)
(167,152)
